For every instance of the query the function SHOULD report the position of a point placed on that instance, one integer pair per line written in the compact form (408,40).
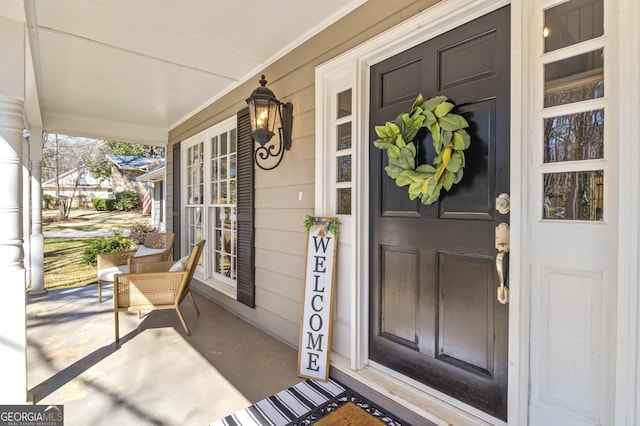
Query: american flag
(146,200)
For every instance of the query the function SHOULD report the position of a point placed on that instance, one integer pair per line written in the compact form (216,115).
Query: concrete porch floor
(158,375)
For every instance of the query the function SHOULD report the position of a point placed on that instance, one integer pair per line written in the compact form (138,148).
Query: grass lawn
(90,220)
(63,265)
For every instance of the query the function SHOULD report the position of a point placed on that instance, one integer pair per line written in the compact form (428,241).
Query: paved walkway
(158,375)
(82,234)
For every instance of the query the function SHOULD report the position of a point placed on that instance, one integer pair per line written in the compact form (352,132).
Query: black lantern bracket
(263,108)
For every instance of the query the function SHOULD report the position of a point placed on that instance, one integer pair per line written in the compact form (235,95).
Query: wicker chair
(156,285)
(157,247)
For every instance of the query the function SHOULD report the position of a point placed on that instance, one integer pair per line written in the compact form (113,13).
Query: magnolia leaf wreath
(449,140)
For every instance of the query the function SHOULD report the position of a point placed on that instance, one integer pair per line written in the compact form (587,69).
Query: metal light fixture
(263,107)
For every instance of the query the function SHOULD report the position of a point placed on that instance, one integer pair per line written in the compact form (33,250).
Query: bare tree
(62,154)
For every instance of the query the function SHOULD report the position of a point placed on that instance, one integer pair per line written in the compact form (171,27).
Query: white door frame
(432,22)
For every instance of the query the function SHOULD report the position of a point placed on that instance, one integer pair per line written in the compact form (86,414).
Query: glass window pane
(574,79)
(344,169)
(223,192)
(215,196)
(233,195)
(344,104)
(233,140)
(232,166)
(573,195)
(223,144)
(344,200)
(215,171)
(572,22)
(223,168)
(574,137)
(220,261)
(214,147)
(344,136)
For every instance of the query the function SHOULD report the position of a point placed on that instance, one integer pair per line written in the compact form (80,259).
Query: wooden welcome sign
(315,329)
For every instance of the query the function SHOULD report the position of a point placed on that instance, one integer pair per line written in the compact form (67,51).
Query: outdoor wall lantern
(263,109)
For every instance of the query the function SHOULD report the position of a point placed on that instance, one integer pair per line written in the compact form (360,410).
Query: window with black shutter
(216,204)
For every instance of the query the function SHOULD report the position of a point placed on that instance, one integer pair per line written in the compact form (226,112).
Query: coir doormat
(312,402)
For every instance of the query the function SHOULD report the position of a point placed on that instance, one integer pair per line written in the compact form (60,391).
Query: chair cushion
(108,273)
(144,251)
(180,265)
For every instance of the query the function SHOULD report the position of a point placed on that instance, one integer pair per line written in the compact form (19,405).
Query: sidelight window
(343,128)
(574,111)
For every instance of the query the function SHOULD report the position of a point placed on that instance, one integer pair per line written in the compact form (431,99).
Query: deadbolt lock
(503,203)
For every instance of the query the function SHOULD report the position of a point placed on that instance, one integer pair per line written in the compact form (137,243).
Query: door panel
(465,335)
(474,197)
(399,294)
(434,313)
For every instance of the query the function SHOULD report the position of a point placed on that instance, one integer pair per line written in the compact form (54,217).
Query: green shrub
(128,200)
(139,230)
(103,204)
(118,242)
(48,201)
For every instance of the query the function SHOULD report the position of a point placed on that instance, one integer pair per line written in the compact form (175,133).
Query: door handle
(502,245)
(503,290)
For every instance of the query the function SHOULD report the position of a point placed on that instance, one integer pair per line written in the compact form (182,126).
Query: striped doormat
(304,404)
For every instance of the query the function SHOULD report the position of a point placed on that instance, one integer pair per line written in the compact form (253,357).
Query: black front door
(434,315)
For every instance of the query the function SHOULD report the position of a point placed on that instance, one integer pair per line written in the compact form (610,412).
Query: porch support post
(13,368)
(26,214)
(12,288)
(36,237)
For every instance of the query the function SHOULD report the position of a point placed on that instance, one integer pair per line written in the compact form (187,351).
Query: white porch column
(26,214)
(13,368)
(36,238)
(12,286)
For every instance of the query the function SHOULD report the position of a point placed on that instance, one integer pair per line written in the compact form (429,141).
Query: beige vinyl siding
(280,238)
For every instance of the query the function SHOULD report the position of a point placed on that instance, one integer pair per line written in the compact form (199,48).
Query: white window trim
(216,281)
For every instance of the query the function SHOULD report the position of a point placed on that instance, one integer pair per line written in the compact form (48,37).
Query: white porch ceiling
(131,70)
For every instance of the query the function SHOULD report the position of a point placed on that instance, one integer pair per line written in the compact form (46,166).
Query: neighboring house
(548,204)
(153,180)
(125,173)
(126,169)
(79,184)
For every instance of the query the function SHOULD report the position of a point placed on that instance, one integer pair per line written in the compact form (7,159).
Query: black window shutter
(177,225)
(246,269)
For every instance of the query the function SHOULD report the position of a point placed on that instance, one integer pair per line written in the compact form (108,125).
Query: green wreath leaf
(451,122)
(455,163)
(443,109)
(431,104)
(449,141)
(393,151)
(429,119)
(405,178)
